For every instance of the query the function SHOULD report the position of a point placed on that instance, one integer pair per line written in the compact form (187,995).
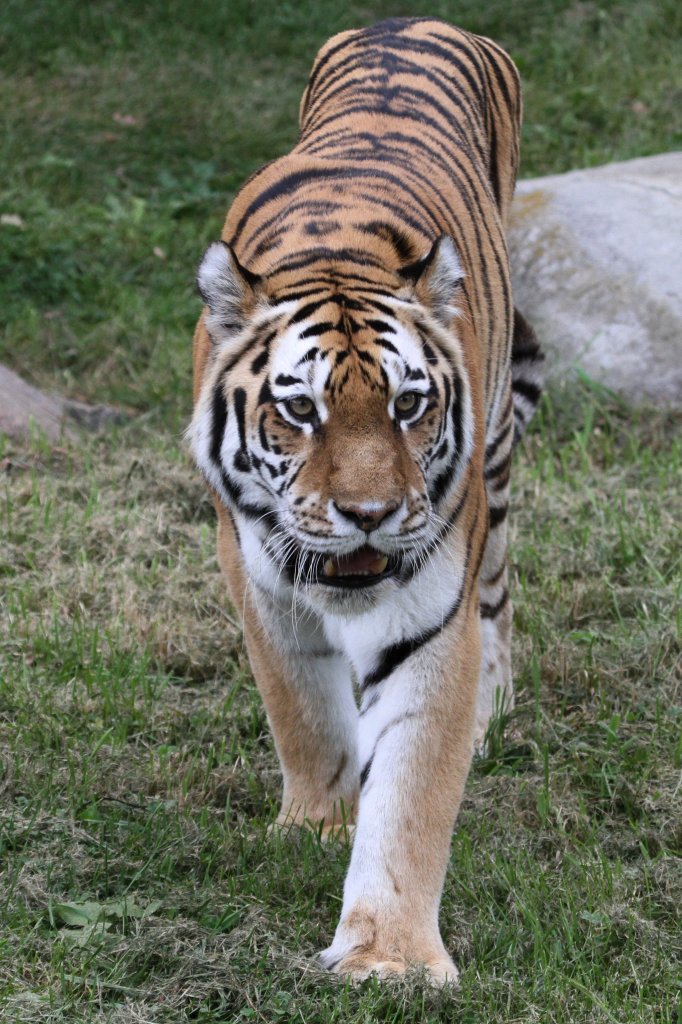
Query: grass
(137,776)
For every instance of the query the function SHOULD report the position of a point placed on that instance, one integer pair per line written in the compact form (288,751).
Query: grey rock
(24,407)
(597,270)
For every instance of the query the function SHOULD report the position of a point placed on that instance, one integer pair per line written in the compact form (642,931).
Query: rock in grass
(597,269)
(24,408)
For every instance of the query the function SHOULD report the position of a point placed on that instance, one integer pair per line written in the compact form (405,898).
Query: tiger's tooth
(381,564)
(329,567)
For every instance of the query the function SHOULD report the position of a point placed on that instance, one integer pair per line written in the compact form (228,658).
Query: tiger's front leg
(416,744)
(313,717)
(307,692)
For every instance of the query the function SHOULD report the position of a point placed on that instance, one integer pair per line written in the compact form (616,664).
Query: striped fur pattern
(360,377)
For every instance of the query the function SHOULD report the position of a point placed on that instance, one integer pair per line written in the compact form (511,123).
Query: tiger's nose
(366,514)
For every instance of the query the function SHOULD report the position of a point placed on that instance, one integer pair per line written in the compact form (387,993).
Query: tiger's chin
(348,601)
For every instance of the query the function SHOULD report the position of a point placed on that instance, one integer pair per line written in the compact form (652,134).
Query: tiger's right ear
(436,277)
(230,291)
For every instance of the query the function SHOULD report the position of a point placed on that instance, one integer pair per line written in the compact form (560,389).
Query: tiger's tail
(527,368)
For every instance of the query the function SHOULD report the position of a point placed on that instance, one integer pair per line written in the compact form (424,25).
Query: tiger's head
(334,418)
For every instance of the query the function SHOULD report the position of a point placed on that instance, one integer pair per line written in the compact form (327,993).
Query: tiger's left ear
(436,278)
(230,291)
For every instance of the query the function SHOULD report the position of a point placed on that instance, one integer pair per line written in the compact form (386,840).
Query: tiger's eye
(407,403)
(301,407)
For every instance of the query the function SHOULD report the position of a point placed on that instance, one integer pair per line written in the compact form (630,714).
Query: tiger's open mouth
(362,568)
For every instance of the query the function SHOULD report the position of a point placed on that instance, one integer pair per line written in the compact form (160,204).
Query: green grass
(136,768)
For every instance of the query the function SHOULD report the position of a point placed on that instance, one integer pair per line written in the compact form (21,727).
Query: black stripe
(386,729)
(494,445)
(265,394)
(497,576)
(261,432)
(388,345)
(296,296)
(440,485)
(491,611)
(321,254)
(527,389)
(392,657)
(501,482)
(260,361)
(316,329)
(311,354)
(307,310)
(219,417)
(491,472)
(440,453)
(365,771)
(369,704)
(457,408)
(401,243)
(380,306)
(527,351)
(400,209)
(242,460)
(493,166)
(497,516)
(380,326)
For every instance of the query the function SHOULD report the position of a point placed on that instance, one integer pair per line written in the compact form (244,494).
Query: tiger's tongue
(365,562)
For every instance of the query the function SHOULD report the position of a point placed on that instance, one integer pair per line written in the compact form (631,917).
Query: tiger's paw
(334,827)
(360,964)
(358,952)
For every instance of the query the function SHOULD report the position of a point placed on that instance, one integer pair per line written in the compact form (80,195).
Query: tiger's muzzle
(364,567)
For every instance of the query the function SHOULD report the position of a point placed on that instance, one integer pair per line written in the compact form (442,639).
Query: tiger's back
(355,409)
(402,140)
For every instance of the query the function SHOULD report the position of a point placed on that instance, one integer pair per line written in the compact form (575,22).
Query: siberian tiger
(360,377)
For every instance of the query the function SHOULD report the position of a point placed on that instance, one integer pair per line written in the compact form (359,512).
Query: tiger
(360,379)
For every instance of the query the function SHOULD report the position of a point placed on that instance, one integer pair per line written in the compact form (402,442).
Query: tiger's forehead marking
(331,340)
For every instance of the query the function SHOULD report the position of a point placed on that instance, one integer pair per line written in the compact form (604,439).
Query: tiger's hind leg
(495,687)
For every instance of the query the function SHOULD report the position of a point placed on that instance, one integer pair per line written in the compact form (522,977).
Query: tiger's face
(334,423)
